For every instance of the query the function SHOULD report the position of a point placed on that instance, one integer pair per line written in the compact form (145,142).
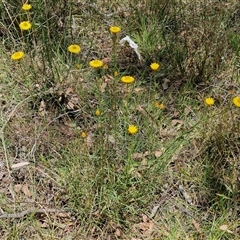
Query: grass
(176,178)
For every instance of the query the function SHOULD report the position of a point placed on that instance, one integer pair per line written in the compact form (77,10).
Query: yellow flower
(155,66)
(105,66)
(115,29)
(156,104)
(115,74)
(97,113)
(236,101)
(127,79)
(25,25)
(132,129)
(17,55)
(83,134)
(209,101)
(74,48)
(159,105)
(96,63)
(78,66)
(26,7)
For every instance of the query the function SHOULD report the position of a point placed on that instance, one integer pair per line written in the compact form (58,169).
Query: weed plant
(110,146)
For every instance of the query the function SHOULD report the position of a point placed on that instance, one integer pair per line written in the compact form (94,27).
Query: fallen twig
(29,211)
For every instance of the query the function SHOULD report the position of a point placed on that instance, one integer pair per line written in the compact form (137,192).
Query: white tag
(132,44)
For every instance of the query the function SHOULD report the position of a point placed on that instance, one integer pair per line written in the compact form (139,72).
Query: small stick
(29,211)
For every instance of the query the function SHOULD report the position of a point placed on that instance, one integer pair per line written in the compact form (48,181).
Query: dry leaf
(96,213)
(187,110)
(18,188)
(146,227)
(103,87)
(111,139)
(175,122)
(93,230)
(42,109)
(158,154)
(89,140)
(165,230)
(62,214)
(140,109)
(38,86)
(108,78)
(196,225)
(183,33)
(144,218)
(68,91)
(118,232)
(19,165)
(225,228)
(73,102)
(154,210)
(136,174)
(185,195)
(61,225)
(175,113)
(42,224)
(144,162)
(106,60)
(138,89)
(140,155)
(189,238)
(2,174)
(26,191)
(165,83)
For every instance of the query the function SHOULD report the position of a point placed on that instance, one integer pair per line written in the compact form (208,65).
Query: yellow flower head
(127,79)
(155,66)
(159,105)
(97,113)
(26,7)
(25,25)
(236,101)
(105,66)
(74,48)
(209,101)
(115,29)
(78,66)
(17,55)
(83,135)
(96,63)
(115,74)
(132,129)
